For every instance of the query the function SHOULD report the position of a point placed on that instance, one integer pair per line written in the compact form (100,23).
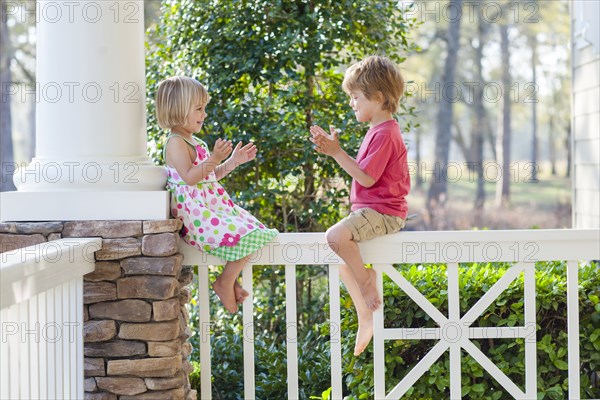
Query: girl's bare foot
(369,290)
(240,293)
(226,295)
(364,334)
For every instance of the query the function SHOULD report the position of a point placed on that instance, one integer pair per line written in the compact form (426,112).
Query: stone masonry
(136,322)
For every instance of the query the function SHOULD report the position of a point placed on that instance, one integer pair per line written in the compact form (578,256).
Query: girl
(211,221)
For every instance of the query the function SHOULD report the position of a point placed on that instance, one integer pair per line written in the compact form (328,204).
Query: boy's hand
(244,154)
(221,150)
(325,143)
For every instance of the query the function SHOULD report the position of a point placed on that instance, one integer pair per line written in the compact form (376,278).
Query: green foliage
(228,333)
(507,354)
(273,69)
(402,355)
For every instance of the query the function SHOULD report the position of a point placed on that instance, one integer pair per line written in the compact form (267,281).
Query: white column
(91,160)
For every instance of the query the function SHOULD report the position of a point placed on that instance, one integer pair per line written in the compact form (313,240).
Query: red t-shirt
(383,156)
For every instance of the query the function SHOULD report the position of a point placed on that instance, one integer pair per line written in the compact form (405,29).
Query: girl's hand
(325,143)
(221,150)
(242,155)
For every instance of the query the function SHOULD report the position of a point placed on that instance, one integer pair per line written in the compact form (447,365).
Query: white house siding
(586,113)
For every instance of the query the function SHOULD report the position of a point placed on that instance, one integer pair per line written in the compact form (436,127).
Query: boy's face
(363,108)
(195,118)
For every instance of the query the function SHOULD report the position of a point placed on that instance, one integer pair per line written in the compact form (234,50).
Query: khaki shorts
(367,224)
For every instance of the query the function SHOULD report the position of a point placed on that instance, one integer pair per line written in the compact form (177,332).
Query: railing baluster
(66,350)
(51,347)
(72,342)
(25,334)
(42,345)
(454,317)
(79,337)
(4,359)
(14,354)
(58,321)
(378,341)
(204,321)
(291,331)
(34,371)
(335,327)
(248,334)
(530,325)
(573,329)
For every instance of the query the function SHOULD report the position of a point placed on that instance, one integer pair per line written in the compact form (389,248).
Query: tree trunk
(568,147)
(534,124)
(551,146)
(459,139)
(504,139)
(309,179)
(6,143)
(418,177)
(438,189)
(480,116)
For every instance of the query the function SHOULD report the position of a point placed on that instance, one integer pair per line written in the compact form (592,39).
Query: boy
(380,180)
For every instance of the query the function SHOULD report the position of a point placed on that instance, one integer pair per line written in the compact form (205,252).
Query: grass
(542,204)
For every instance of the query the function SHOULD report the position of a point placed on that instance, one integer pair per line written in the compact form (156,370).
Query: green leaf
(560,364)
(478,388)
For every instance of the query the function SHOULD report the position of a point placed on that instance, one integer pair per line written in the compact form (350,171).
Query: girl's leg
(225,284)
(240,292)
(365,315)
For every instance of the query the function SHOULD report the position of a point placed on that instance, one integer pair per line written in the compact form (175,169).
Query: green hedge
(401,355)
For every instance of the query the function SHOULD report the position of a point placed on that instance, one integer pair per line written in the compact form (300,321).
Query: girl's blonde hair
(175,98)
(376,74)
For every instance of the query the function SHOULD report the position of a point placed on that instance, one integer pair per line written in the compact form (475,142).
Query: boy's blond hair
(376,74)
(175,98)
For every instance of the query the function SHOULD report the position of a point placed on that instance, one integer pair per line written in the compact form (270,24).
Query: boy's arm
(330,145)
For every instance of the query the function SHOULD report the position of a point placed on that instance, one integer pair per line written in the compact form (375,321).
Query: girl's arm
(178,157)
(240,155)
(330,145)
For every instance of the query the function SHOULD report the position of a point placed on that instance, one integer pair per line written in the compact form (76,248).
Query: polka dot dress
(211,221)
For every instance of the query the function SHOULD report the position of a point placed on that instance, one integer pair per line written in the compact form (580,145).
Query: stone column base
(136,322)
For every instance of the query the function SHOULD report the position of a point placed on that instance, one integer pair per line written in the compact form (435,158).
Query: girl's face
(195,119)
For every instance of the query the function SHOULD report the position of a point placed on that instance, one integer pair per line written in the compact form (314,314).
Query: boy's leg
(224,285)
(365,315)
(340,240)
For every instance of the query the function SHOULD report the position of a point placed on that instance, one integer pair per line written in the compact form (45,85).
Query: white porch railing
(41,302)
(522,247)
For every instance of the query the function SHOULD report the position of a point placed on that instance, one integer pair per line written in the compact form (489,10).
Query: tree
(273,70)
(546,31)
(504,132)
(17,57)
(438,189)
(480,125)
(6,143)
(473,150)
(533,43)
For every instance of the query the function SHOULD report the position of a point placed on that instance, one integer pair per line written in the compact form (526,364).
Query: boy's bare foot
(226,295)
(240,293)
(364,334)
(369,290)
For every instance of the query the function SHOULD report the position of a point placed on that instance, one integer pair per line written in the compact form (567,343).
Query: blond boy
(380,180)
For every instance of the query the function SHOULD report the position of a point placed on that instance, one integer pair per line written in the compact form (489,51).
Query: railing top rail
(29,271)
(426,247)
